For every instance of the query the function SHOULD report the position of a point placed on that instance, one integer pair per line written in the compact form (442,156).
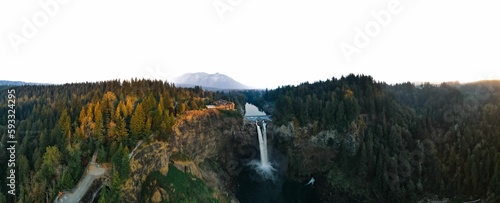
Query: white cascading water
(262,146)
(264,167)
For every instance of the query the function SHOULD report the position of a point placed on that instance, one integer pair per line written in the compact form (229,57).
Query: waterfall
(264,160)
(264,132)
(263,167)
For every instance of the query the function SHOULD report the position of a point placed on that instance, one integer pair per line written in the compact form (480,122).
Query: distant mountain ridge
(211,81)
(18,83)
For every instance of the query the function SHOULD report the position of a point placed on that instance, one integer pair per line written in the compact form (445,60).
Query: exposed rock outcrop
(216,148)
(310,153)
(148,158)
(218,145)
(200,134)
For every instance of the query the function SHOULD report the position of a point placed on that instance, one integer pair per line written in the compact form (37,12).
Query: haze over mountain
(18,83)
(217,81)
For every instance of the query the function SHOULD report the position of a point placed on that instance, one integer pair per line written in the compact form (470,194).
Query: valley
(359,140)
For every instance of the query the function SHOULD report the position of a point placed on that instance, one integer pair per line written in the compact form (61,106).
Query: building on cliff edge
(221,104)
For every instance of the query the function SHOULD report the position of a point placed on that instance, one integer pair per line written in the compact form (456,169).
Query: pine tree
(161,107)
(112,133)
(112,149)
(108,104)
(341,120)
(149,103)
(2,196)
(166,125)
(64,125)
(138,122)
(156,120)
(51,161)
(121,129)
(474,174)
(115,194)
(147,128)
(84,121)
(494,184)
(363,162)
(103,195)
(125,164)
(129,104)
(66,180)
(193,105)
(116,159)
(74,162)
(121,110)
(99,124)
(23,168)
(101,155)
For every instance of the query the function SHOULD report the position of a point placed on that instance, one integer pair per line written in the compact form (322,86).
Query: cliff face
(200,134)
(311,152)
(206,144)
(148,158)
(215,148)
(219,145)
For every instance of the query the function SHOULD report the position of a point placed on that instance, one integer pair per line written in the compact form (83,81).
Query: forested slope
(406,142)
(59,127)
(417,140)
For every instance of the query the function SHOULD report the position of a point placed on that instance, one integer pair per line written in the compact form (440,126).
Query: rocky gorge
(216,148)
(204,143)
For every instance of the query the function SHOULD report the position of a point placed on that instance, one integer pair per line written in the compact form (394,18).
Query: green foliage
(124,164)
(73,160)
(138,122)
(67,181)
(23,168)
(101,155)
(2,197)
(79,118)
(333,103)
(343,184)
(180,187)
(114,193)
(103,196)
(446,134)
(98,130)
(230,113)
(418,140)
(64,124)
(121,168)
(51,161)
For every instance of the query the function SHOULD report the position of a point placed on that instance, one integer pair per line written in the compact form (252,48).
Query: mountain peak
(216,80)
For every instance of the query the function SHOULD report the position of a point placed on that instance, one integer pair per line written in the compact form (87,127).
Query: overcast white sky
(259,43)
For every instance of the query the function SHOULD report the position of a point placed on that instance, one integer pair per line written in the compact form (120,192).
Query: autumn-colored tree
(108,103)
(138,122)
(193,105)
(383,124)
(98,131)
(130,102)
(121,110)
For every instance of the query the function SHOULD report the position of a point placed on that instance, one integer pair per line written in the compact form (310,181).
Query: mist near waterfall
(265,180)
(263,167)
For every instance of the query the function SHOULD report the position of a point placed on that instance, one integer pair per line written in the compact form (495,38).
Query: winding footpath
(94,171)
